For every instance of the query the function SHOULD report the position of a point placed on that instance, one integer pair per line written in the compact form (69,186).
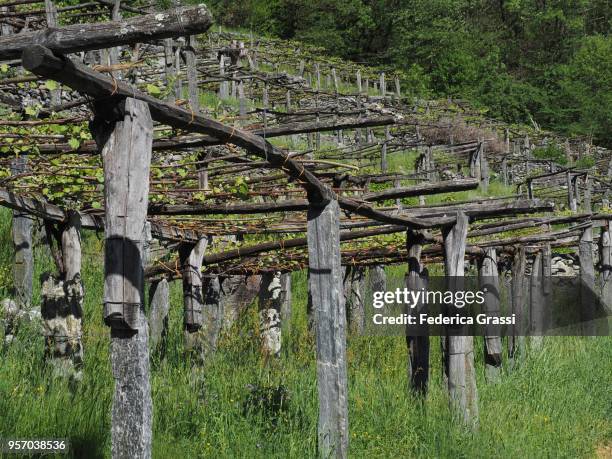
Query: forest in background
(543,62)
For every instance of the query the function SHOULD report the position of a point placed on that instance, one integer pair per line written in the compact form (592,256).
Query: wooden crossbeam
(85,37)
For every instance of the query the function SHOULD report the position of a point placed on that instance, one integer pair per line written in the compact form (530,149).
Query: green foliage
(522,60)
(552,152)
(585,162)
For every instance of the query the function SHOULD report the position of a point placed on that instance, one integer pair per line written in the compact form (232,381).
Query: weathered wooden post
(586,203)
(353,296)
(159,301)
(459,352)
(535,302)
(124,133)
(571,196)
(51,16)
(378,278)
(516,341)
(489,280)
(587,278)
(417,278)
(169,68)
(223,86)
(325,282)
(62,304)
(191,256)
(585,252)
(286,300)
(23,264)
(270,298)
(358,77)
(484,167)
(212,313)
(241,99)
(605,265)
(192,74)
(505,170)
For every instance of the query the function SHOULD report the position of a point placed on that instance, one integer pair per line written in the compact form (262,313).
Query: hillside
(196,220)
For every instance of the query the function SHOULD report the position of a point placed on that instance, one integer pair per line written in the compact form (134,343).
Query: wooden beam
(85,37)
(422,189)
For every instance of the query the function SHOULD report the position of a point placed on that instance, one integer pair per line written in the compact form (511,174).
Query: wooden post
(51,16)
(192,74)
(484,167)
(124,133)
(459,352)
(489,279)
(585,249)
(383,157)
(325,287)
(378,278)
(535,303)
(516,341)
(605,265)
(191,256)
(286,300)
(358,76)
(212,313)
(571,196)
(398,201)
(159,301)
(23,264)
(223,87)
(113,53)
(169,68)
(587,204)
(353,296)
(62,305)
(241,100)
(382,84)
(398,92)
(505,170)
(270,298)
(418,346)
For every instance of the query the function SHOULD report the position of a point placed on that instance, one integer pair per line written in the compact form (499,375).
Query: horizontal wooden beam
(85,37)
(422,189)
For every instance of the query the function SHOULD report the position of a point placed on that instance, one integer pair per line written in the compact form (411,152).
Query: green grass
(557,403)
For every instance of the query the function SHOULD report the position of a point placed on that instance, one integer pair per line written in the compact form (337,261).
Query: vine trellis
(201,153)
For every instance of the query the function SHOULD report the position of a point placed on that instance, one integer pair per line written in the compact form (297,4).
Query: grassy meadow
(556,403)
